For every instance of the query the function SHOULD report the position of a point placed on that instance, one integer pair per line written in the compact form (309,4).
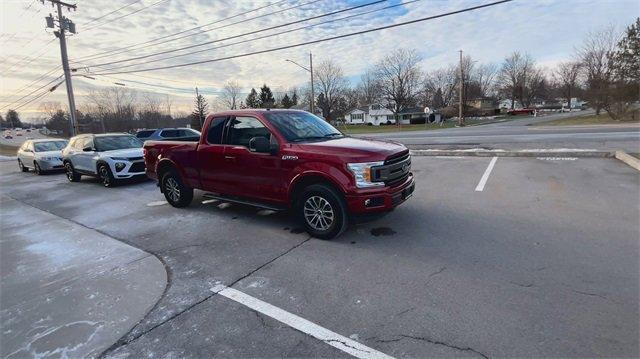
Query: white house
(374,114)
(506,104)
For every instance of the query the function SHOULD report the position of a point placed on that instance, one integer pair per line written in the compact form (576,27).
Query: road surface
(524,133)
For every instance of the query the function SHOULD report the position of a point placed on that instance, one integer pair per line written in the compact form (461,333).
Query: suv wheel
(22,167)
(322,211)
(36,168)
(72,175)
(105,176)
(176,192)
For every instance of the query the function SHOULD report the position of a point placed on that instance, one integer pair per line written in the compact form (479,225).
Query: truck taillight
(144,152)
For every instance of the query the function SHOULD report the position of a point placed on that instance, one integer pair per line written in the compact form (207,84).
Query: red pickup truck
(284,160)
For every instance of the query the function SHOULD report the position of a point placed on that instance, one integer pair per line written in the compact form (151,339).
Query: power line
(30,93)
(44,93)
(109,13)
(246,33)
(33,58)
(135,46)
(312,41)
(18,91)
(265,36)
(124,15)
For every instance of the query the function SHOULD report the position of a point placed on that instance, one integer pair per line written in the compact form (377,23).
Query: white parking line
(486,174)
(338,341)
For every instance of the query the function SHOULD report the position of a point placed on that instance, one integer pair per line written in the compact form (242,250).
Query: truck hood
(126,152)
(356,149)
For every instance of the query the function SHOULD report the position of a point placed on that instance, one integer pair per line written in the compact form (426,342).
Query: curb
(479,152)
(628,159)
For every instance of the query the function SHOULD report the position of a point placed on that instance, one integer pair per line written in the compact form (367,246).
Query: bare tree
(513,74)
(485,76)
(400,79)
(329,82)
(231,95)
(566,76)
(594,57)
(369,90)
(440,87)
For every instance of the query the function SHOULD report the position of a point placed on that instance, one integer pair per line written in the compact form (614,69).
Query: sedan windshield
(110,143)
(49,146)
(302,126)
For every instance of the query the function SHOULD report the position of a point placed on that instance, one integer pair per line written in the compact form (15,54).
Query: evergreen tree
(286,101)
(266,97)
(252,99)
(199,112)
(294,98)
(625,60)
(13,119)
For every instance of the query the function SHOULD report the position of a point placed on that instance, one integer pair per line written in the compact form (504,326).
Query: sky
(549,30)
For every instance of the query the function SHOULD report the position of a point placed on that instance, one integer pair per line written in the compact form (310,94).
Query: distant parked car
(110,157)
(521,111)
(8,137)
(168,134)
(41,155)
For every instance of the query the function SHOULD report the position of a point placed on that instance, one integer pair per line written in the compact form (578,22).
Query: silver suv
(111,157)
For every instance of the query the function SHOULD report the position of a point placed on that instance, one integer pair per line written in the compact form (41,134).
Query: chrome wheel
(172,189)
(318,213)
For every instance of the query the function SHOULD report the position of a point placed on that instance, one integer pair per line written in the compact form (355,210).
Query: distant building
(485,106)
(506,104)
(374,114)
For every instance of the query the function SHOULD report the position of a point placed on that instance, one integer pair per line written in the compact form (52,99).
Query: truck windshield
(110,143)
(302,126)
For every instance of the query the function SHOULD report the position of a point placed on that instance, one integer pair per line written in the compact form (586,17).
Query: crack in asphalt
(124,342)
(345,344)
(428,340)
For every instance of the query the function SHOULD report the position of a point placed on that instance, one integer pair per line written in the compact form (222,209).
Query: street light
(310,70)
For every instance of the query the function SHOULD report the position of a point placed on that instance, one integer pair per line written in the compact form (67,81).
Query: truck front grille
(395,170)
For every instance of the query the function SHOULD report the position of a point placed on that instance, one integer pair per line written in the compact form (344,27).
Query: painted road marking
(485,176)
(557,158)
(337,341)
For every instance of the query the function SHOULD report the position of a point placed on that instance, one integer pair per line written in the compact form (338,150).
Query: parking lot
(525,257)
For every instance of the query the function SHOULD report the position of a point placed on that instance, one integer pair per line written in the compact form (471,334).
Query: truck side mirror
(259,144)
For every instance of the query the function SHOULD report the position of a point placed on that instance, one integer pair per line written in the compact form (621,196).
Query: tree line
(604,70)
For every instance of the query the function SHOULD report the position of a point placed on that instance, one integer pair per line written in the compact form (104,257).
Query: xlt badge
(289,158)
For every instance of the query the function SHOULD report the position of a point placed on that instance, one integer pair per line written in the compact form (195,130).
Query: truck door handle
(230,158)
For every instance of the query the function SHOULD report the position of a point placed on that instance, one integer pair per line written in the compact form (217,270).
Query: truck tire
(175,191)
(322,211)
(72,175)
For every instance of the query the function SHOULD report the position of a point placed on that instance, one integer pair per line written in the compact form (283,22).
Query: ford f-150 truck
(284,160)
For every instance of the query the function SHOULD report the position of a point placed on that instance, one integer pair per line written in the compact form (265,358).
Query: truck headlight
(363,174)
(120,166)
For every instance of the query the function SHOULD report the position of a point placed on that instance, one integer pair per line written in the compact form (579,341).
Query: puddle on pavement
(382,231)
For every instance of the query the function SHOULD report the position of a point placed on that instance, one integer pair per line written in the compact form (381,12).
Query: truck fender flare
(316,177)
(168,163)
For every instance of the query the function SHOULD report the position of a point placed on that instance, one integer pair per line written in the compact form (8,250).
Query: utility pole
(313,97)
(460,118)
(65,24)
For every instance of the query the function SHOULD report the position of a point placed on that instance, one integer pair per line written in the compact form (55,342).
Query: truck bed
(181,151)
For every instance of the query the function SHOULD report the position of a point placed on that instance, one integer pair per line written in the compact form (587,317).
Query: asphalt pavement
(527,257)
(524,133)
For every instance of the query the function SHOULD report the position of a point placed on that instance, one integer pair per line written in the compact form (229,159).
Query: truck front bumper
(380,199)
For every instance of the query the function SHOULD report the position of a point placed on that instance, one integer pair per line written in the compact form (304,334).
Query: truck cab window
(243,129)
(214,136)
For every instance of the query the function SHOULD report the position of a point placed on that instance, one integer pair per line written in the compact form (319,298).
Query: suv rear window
(145,133)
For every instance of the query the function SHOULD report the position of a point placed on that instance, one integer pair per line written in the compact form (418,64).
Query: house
(484,105)
(506,104)
(374,114)
(412,115)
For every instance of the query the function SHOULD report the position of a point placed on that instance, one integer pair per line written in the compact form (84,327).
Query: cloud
(548,30)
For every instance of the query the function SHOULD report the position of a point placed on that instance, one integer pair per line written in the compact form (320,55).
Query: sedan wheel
(22,167)
(36,168)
